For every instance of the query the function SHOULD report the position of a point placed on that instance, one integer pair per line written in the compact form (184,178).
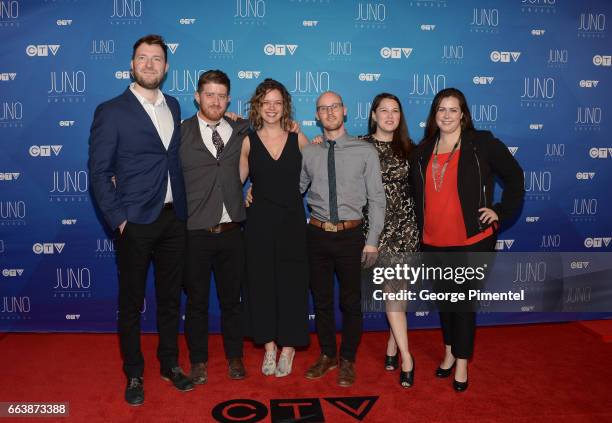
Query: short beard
(153,85)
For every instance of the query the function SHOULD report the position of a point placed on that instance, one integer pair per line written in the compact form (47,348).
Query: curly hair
(256,102)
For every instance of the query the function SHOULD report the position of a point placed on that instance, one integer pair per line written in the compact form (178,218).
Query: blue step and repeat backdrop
(536,72)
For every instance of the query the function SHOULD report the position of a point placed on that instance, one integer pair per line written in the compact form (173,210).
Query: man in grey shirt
(344,175)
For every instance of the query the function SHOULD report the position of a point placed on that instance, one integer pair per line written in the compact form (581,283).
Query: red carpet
(536,373)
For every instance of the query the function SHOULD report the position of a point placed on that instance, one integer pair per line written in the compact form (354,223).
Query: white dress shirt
(161,116)
(225,130)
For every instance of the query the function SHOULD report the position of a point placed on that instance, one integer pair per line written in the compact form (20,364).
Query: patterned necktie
(331,178)
(216,139)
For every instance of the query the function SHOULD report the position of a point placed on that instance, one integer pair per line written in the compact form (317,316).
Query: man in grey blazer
(210,154)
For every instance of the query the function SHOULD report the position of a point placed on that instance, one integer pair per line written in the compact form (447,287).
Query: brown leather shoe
(199,373)
(346,374)
(323,365)
(236,369)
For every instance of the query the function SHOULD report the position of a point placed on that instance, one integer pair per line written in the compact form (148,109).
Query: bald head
(329,97)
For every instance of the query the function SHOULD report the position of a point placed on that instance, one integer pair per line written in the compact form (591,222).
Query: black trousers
(224,254)
(338,252)
(459,328)
(163,241)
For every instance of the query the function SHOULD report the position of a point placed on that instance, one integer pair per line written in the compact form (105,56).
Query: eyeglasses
(331,108)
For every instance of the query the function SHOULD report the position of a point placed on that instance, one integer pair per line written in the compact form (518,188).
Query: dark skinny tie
(216,139)
(331,177)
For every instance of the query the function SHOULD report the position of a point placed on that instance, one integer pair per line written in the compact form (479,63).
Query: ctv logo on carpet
(290,410)
(280,49)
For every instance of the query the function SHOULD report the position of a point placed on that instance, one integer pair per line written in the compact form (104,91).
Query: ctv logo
(187,21)
(369,77)
(64,22)
(579,264)
(310,23)
(48,247)
(66,123)
(588,83)
(513,150)
(69,221)
(536,126)
(504,244)
(12,273)
(505,56)
(597,242)
(249,74)
(73,316)
(172,47)
(42,49)
(45,150)
(280,49)
(600,152)
(532,219)
(585,176)
(602,60)
(483,80)
(10,76)
(309,123)
(395,52)
(537,32)
(428,27)
(122,75)
(10,176)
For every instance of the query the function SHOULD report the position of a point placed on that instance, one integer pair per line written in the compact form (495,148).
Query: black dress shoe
(391,362)
(178,379)
(236,369)
(460,386)
(442,373)
(134,392)
(406,379)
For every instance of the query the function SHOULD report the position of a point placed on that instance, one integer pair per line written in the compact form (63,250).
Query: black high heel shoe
(442,373)
(406,379)
(460,386)
(392,362)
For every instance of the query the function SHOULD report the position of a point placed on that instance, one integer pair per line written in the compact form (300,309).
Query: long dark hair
(256,102)
(431,128)
(401,144)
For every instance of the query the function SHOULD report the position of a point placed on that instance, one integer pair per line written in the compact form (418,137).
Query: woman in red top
(452,177)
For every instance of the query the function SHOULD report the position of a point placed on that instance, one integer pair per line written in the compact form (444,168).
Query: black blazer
(483,157)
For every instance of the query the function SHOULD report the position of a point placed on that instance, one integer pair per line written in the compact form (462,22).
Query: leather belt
(223,227)
(168,206)
(340,226)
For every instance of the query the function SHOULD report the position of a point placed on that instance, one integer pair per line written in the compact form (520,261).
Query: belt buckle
(330,227)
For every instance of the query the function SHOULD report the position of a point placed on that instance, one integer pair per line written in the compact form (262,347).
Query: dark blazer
(209,182)
(483,157)
(124,143)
